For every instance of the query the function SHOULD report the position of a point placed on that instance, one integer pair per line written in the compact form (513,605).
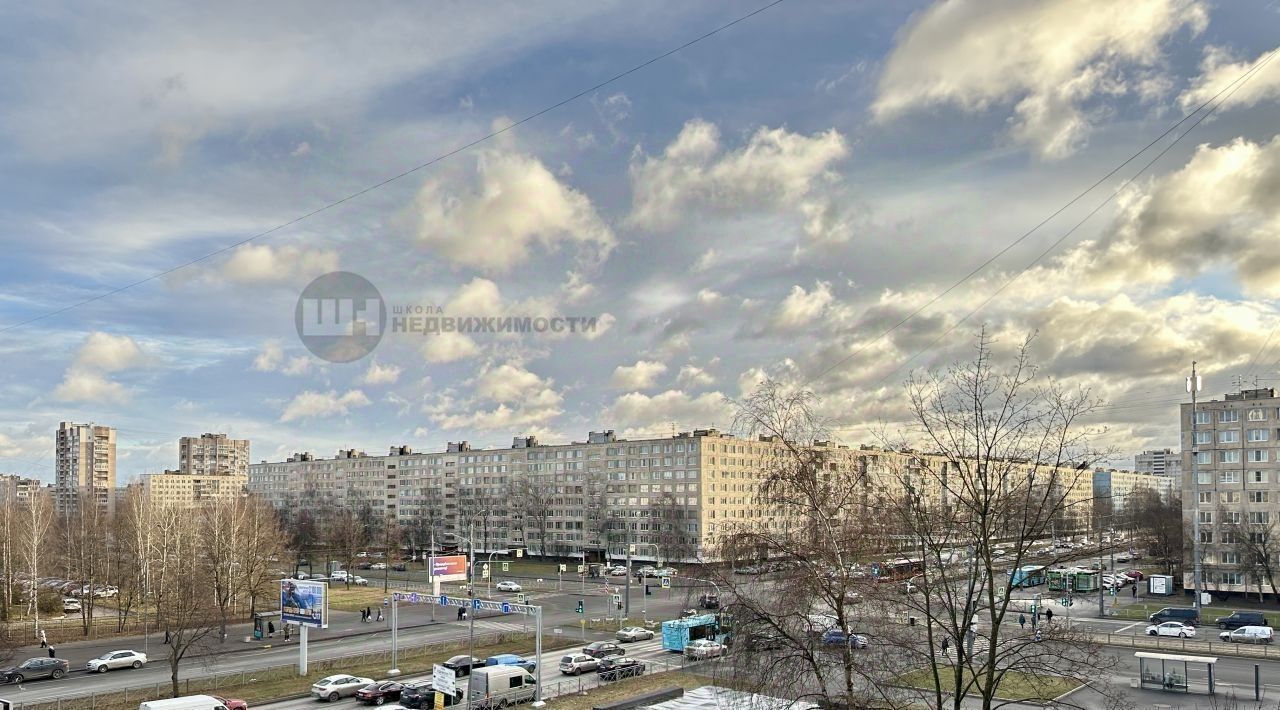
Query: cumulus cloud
(379,374)
(516,203)
(440,348)
(1047,59)
(309,405)
(638,376)
(262,263)
(1221,70)
(802,307)
(272,359)
(85,380)
(635,414)
(693,376)
(523,399)
(776,169)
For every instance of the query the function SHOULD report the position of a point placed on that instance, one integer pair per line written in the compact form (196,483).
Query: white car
(70,604)
(633,633)
(618,571)
(338,686)
(703,648)
(116,659)
(339,575)
(378,565)
(1172,628)
(359,581)
(1249,634)
(508,586)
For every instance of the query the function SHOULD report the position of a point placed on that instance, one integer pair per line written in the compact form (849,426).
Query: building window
(1257,415)
(1204,437)
(1231,496)
(1259,517)
(1206,537)
(1230,558)
(1203,457)
(1258,456)
(1206,516)
(1232,577)
(1258,476)
(1259,434)
(1229,477)
(1203,418)
(1229,436)
(1231,456)
(1228,416)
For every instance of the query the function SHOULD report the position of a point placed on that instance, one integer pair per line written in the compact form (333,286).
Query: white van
(190,702)
(500,686)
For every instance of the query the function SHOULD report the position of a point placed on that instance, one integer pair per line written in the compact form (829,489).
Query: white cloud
(776,169)
(708,297)
(379,374)
(604,323)
(302,149)
(1220,70)
(638,376)
(523,399)
(802,307)
(693,376)
(262,263)
(270,358)
(635,414)
(85,379)
(439,348)
(706,261)
(517,203)
(1046,58)
(297,365)
(310,404)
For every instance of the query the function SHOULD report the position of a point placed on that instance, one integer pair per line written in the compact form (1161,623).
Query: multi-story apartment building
(1160,462)
(1234,489)
(18,489)
(209,466)
(1113,490)
(213,455)
(674,497)
(86,467)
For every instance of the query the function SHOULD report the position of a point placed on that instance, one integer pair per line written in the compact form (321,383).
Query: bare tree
(38,521)
(263,544)
(531,496)
(184,606)
(221,524)
(347,536)
(1158,521)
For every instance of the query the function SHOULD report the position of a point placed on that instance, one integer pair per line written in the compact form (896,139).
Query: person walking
(1048,616)
(362,616)
(166,637)
(52,653)
(44,640)
(1134,590)
(379,614)
(946,644)
(368,614)
(1022,621)
(462,613)
(271,629)
(286,633)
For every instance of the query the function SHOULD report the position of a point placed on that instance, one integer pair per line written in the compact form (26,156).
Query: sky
(771,201)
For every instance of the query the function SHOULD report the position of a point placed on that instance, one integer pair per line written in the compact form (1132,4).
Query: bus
(1028,576)
(897,569)
(677,633)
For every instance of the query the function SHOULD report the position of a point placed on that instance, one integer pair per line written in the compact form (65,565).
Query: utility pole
(1193,386)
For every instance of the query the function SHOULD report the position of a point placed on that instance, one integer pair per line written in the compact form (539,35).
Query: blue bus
(1028,576)
(677,633)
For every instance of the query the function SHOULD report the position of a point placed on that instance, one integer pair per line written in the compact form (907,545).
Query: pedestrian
(166,637)
(368,614)
(946,643)
(462,613)
(52,654)
(1048,616)
(362,619)
(44,640)
(1134,590)
(1038,636)
(1022,621)
(271,629)
(286,633)
(379,614)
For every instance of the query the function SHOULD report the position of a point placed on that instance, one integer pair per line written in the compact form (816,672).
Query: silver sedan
(634,633)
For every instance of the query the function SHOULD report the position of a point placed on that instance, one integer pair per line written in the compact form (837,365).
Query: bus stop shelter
(1175,673)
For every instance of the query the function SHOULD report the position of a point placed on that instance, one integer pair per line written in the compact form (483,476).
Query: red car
(232,703)
(379,693)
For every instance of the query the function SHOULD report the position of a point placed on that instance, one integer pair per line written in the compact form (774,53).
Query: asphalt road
(348,636)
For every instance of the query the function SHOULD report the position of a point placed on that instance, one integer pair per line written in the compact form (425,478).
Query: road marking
(1130,626)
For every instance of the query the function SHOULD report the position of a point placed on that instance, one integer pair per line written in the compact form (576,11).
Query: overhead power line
(1212,104)
(398,176)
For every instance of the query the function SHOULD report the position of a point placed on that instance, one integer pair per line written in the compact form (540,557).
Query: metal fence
(1192,646)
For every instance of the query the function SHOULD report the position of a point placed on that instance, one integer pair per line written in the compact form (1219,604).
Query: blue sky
(766,201)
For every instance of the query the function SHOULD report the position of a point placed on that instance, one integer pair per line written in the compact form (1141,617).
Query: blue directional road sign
(444,600)
(475,603)
(506,607)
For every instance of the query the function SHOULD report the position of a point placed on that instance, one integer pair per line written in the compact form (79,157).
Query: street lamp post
(471,595)
(1193,386)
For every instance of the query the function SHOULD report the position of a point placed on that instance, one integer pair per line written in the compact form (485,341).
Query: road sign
(521,597)
(633,549)
(582,568)
(484,572)
(564,567)
(444,679)
(666,583)
(506,607)
(617,599)
(475,603)
(519,553)
(444,600)
(506,566)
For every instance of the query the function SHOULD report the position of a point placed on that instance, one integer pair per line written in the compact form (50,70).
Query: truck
(677,633)
(190,702)
(501,686)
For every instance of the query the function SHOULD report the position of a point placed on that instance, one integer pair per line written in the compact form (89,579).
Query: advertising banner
(304,602)
(449,568)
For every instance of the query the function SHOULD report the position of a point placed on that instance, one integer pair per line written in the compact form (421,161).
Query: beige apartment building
(86,467)
(675,497)
(1114,489)
(19,490)
(210,466)
(1235,487)
(213,455)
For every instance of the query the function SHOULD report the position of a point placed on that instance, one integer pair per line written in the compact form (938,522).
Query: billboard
(304,602)
(449,568)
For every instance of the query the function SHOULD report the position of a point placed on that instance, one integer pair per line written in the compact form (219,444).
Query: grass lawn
(265,686)
(623,689)
(356,598)
(1141,611)
(1013,686)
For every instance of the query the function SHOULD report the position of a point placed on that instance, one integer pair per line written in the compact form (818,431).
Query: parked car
(399,567)
(1172,628)
(618,571)
(231,703)
(422,695)
(647,571)
(1186,614)
(686,613)
(70,605)
(339,575)
(380,693)
(633,633)
(461,665)
(664,572)
(1249,634)
(618,668)
(603,649)
(709,601)
(35,669)
(116,659)
(333,687)
(378,565)
(508,586)
(837,637)
(1241,618)
(702,649)
(578,663)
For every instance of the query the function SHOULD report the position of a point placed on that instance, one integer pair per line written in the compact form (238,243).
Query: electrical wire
(394,178)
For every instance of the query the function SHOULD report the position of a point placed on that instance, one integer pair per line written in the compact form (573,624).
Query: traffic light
(580,605)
